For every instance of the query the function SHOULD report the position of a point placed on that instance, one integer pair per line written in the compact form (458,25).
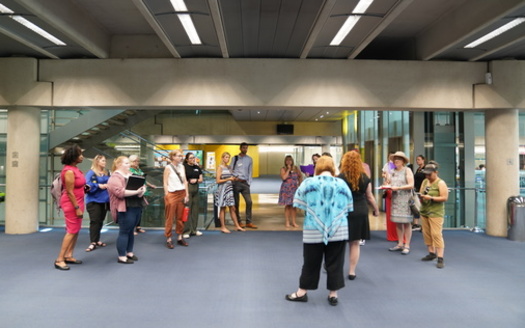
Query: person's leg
(407,233)
(179,211)
(66,242)
(436,226)
(190,226)
(353,257)
(135,214)
(94,231)
(334,257)
(71,246)
(126,223)
(293,213)
(194,208)
(222,213)
(236,186)
(246,194)
(313,259)
(234,219)
(169,213)
(287,216)
(400,239)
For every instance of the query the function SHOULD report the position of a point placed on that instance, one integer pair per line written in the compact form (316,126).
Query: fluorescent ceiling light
(496,32)
(38,30)
(31,26)
(351,21)
(186,21)
(5,10)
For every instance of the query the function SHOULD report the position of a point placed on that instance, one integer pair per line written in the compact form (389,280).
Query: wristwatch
(77,207)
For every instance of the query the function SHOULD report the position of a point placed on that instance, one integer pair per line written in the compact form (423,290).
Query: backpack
(56,190)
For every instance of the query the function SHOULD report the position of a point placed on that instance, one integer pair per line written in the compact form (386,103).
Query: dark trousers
(191,225)
(334,258)
(97,215)
(127,221)
(243,188)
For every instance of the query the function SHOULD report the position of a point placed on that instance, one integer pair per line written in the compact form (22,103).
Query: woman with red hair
(353,174)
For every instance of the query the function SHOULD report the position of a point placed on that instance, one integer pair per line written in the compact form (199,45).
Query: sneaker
(416,227)
(198,233)
(405,251)
(362,242)
(440,264)
(186,236)
(429,257)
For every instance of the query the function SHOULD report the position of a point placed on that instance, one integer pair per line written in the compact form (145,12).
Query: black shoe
(61,267)
(440,264)
(351,276)
(128,261)
(294,298)
(133,258)
(332,301)
(72,261)
(429,257)
(182,242)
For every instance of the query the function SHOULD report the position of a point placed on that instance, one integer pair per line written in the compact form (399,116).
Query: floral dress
(288,188)
(400,210)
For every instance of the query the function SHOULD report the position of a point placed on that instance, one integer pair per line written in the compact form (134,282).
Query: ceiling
(390,30)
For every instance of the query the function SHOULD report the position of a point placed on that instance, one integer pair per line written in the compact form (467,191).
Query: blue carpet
(239,280)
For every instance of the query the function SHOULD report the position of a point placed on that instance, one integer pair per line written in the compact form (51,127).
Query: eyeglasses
(191,157)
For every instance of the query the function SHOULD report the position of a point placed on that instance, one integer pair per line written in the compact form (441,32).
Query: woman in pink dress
(72,203)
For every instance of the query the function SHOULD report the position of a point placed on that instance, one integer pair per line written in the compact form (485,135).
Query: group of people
(99,192)
(335,202)
(336,211)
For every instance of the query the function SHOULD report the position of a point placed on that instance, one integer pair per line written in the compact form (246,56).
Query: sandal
(91,247)
(396,248)
(101,244)
(405,251)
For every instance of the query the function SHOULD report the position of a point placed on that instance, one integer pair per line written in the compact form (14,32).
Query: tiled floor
(269,216)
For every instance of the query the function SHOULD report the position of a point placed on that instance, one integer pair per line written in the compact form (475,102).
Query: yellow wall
(253,151)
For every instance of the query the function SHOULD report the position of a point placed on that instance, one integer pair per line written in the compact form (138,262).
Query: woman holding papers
(126,208)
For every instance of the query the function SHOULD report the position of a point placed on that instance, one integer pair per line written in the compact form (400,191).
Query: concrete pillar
(502,159)
(22,170)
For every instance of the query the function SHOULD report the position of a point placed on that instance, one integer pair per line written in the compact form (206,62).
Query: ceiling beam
(27,43)
(394,12)
(497,49)
(219,27)
(457,27)
(72,22)
(156,27)
(319,24)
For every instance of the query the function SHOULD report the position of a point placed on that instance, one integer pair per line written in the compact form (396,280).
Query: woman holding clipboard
(126,202)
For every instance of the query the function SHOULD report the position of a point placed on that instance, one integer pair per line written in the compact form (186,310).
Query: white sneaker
(186,236)
(198,233)
(362,242)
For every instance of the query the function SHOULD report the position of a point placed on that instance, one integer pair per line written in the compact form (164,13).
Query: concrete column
(22,164)
(502,159)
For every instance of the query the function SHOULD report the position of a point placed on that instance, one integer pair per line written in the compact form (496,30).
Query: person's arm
(218,177)
(185,183)
(285,172)
(69,181)
(372,200)
(200,178)
(165,178)
(443,193)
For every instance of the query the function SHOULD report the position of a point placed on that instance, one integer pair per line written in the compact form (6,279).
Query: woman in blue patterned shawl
(326,201)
